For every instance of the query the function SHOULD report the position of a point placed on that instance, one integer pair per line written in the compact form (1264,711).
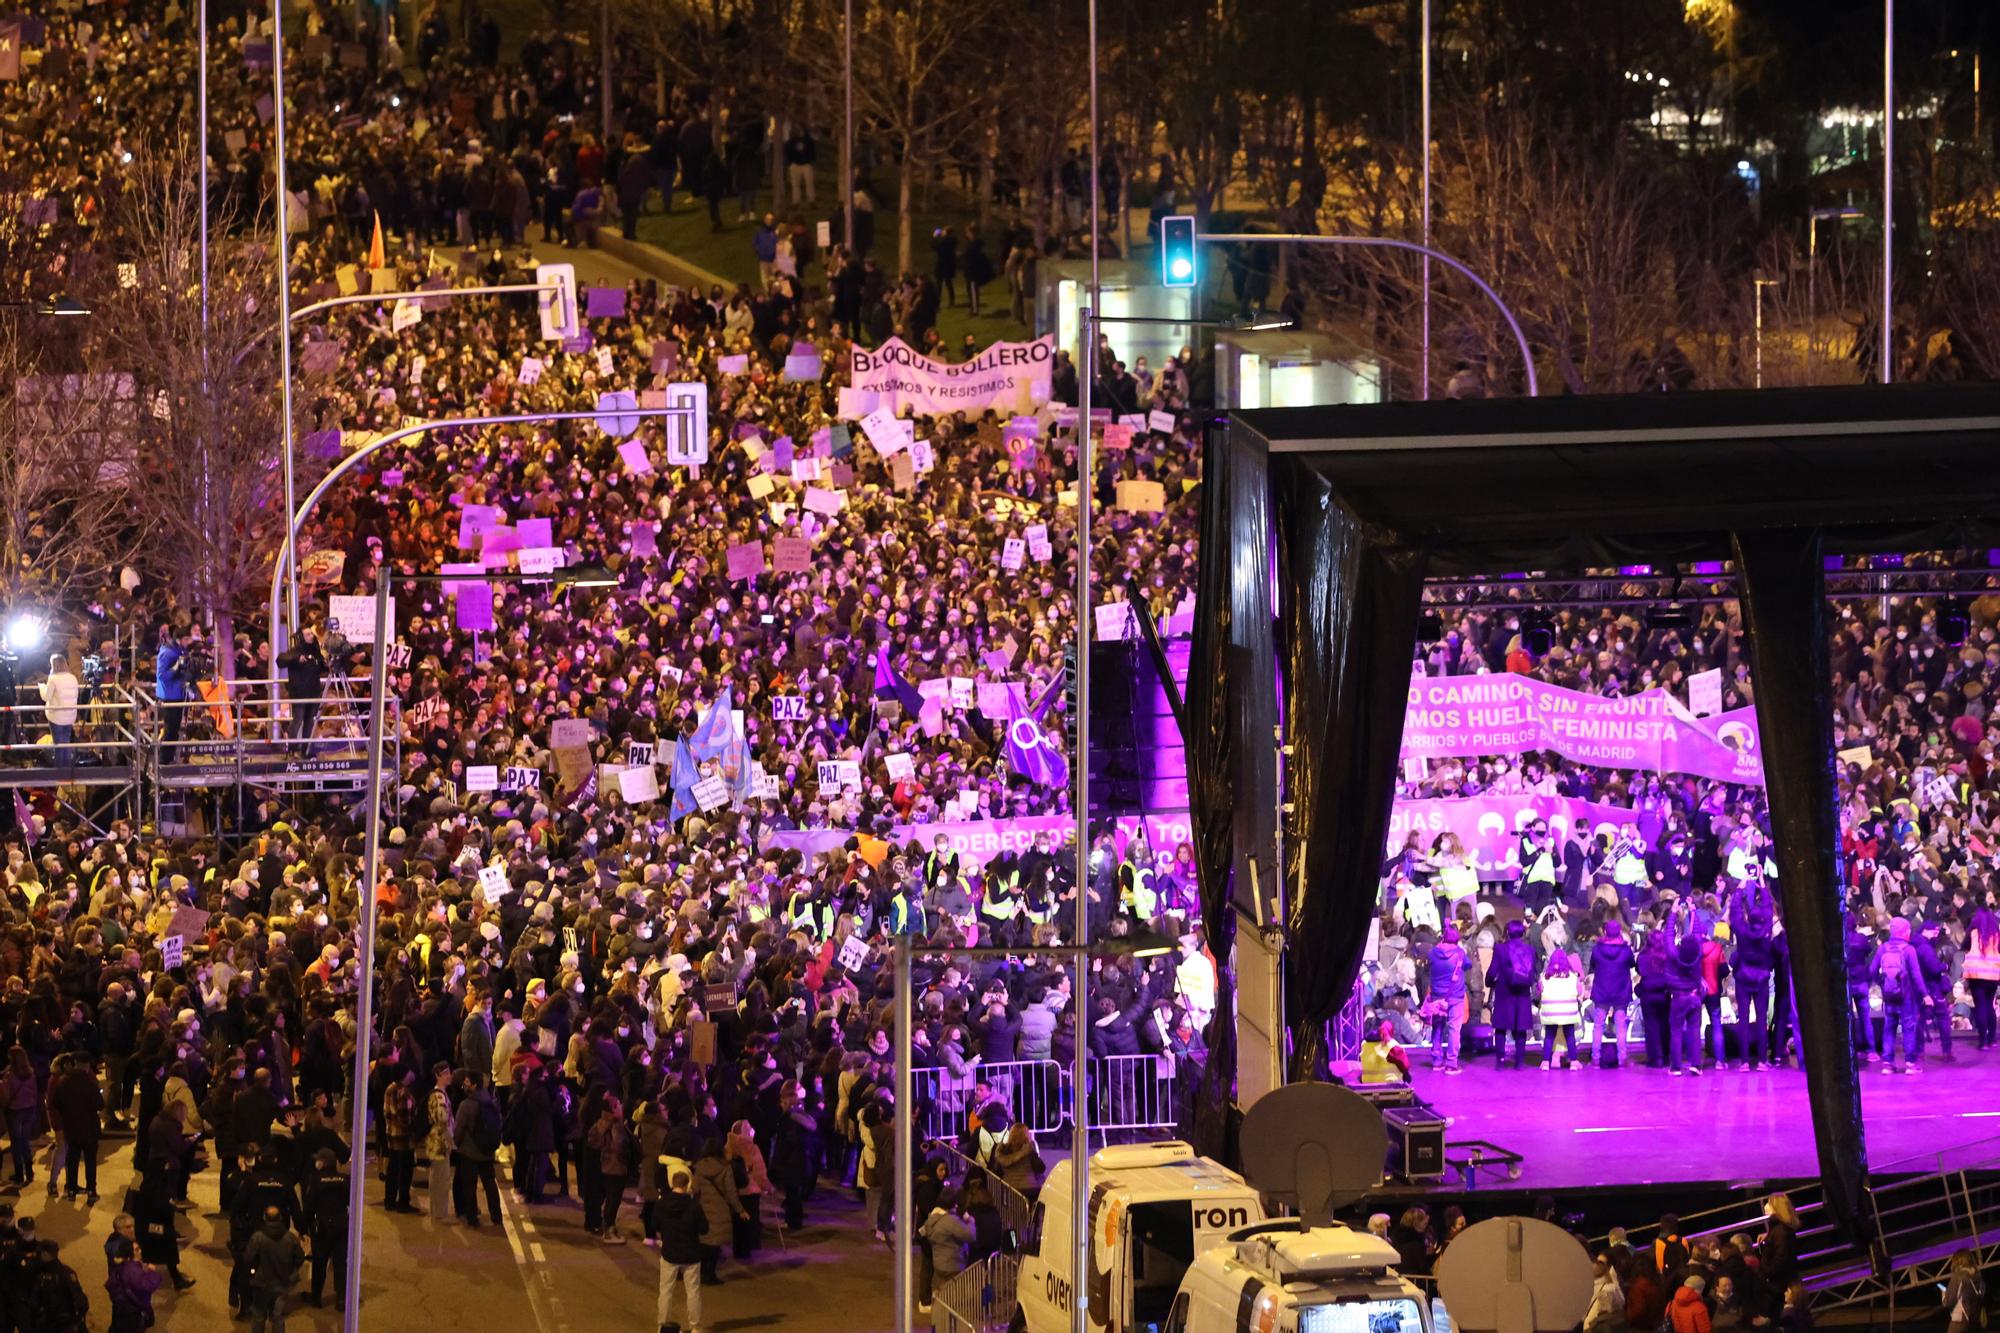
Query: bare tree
(67,475)
(915,78)
(208,423)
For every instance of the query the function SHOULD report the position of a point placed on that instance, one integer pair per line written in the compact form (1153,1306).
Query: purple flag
(889,684)
(1029,749)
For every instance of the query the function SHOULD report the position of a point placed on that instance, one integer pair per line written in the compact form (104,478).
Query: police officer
(262,1185)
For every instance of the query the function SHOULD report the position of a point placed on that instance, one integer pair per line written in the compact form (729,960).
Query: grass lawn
(686,234)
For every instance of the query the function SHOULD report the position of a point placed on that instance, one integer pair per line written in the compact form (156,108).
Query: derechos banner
(1463,716)
(1490,826)
(1006,378)
(980,840)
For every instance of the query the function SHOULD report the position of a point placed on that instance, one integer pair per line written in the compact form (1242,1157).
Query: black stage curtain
(1350,611)
(1225,750)
(1784,613)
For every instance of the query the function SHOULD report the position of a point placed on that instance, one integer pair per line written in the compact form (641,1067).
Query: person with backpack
(273,1258)
(476,1136)
(611,1143)
(1896,969)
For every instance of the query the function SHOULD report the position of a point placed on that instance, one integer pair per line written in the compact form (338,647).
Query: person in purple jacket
(1447,1000)
(1611,992)
(1510,980)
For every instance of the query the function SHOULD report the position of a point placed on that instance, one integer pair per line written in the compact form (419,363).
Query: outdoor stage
(1638,1126)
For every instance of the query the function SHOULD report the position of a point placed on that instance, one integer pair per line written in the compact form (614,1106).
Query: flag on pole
(716,740)
(1029,749)
(378,253)
(682,778)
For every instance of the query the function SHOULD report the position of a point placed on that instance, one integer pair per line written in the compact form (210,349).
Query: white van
(1279,1278)
(1154,1209)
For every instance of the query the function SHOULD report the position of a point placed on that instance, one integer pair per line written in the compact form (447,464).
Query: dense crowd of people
(650,1004)
(651,996)
(1669,929)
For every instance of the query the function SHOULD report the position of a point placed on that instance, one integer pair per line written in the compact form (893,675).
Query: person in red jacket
(1688,1313)
(1645,1298)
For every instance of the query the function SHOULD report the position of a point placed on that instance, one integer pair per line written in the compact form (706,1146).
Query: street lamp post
(1888,191)
(847,136)
(1424,29)
(1391,243)
(284,249)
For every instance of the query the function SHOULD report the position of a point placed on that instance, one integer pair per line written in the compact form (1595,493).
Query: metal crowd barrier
(1130,1092)
(979,1300)
(1035,1093)
(1017,1214)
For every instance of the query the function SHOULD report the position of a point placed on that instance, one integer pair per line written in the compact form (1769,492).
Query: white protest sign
(353,618)
(788,708)
(633,454)
(521,778)
(993,699)
(1038,542)
(604,360)
(639,783)
(1160,422)
(1114,620)
(901,767)
(1011,552)
(961,692)
(1705,692)
(531,370)
(493,882)
(639,752)
(568,731)
(711,793)
(406,314)
(807,469)
(885,432)
(172,950)
(853,952)
(482,777)
(1006,377)
(823,501)
(923,456)
(764,786)
(538,559)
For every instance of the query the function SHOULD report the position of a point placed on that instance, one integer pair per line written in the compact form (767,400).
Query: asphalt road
(540,1273)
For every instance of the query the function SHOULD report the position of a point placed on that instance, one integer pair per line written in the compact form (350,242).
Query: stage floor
(1639,1126)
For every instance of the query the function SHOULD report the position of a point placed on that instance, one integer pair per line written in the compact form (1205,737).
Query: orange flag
(378,254)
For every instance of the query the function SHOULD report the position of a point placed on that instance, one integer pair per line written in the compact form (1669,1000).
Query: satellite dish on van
(1315,1146)
(1515,1275)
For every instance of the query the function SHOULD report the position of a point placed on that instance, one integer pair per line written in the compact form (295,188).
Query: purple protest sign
(645,539)
(605,303)
(536,532)
(793,555)
(746,560)
(580,344)
(475,606)
(1509,714)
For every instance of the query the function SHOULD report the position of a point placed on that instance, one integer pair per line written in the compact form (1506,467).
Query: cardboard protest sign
(1037,536)
(903,473)
(733,365)
(493,882)
(1705,692)
(404,315)
(568,731)
(572,766)
(482,777)
(645,539)
(746,560)
(1135,421)
(1011,552)
(802,363)
(791,555)
(901,767)
(760,486)
(993,700)
(1117,437)
(1161,423)
(701,1041)
(189,922)
(639,784)
(822,501)
(1142,497)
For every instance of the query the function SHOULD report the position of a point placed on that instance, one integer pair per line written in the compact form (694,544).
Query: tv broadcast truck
(1180,1244)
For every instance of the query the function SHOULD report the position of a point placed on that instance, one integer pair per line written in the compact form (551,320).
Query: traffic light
(1177,268)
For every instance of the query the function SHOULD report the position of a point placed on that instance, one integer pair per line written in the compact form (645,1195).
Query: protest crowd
(644,983)
(628,996)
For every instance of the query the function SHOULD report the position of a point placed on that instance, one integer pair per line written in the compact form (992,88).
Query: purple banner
(1463,716)
(1490,826)
(979,841)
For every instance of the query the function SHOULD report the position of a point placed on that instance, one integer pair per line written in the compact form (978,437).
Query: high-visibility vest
(1376,1066)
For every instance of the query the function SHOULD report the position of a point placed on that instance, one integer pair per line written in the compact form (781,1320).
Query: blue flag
(683,778)
(1029,750)
(716,741)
